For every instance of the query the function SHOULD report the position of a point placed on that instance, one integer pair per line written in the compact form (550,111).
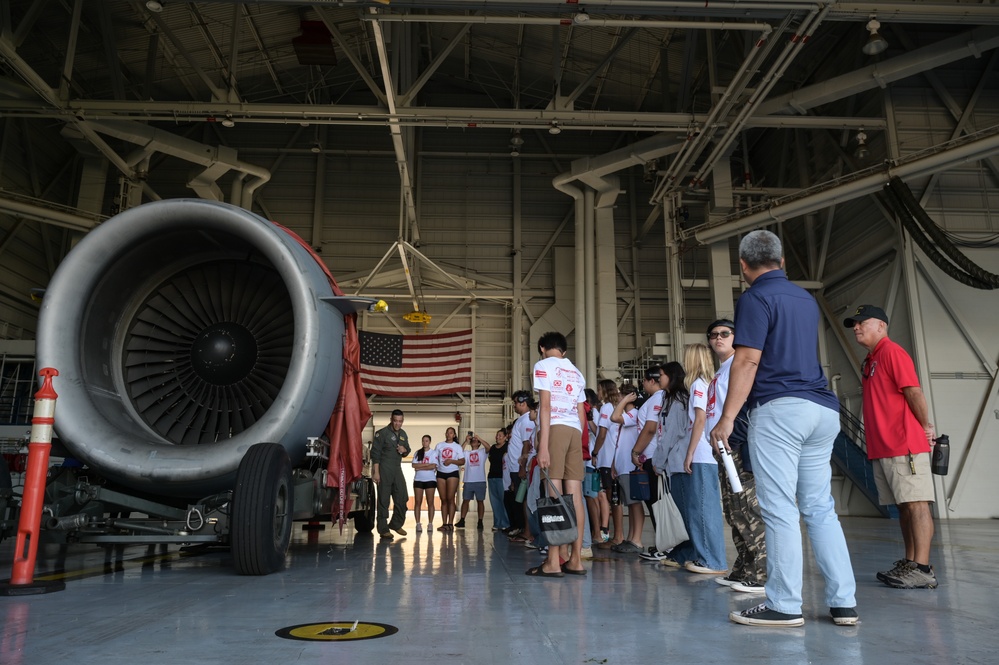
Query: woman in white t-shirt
(450,458)
(424,482)
(602,455)
(696,489)
(625,416)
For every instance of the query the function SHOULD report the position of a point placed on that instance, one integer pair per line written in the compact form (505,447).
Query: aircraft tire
(260,528)
(364,522)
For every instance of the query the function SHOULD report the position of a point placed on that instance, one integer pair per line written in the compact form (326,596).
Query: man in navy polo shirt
(793,421)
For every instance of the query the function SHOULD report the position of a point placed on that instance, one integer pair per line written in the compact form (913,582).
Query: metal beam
(407,98)
(362,71)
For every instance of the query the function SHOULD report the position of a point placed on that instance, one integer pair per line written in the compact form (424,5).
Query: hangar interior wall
(481,217)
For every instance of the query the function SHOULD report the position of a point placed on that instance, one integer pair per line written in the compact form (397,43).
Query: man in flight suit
(387,450)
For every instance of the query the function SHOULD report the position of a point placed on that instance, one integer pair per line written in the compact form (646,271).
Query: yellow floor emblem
(337,631)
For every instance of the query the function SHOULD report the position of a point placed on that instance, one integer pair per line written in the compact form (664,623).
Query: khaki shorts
(565,447)
(897,484)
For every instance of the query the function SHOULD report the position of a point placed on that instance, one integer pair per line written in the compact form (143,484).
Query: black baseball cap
(865,312)
(727,323)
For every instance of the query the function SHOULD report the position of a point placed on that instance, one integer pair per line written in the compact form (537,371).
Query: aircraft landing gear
(260,527)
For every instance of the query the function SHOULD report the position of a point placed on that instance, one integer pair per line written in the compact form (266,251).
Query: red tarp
(351,412)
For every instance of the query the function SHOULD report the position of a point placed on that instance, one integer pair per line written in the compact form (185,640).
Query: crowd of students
(632,438)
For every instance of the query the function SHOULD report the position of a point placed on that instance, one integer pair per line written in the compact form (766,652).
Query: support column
(719,255)
(590,313)
(605,287)
(579,281)
(517,372)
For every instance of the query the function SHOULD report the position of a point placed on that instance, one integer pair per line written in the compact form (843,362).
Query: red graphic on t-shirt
(557,383)
(447,453)
(473,458)
(568,388)
(540,373)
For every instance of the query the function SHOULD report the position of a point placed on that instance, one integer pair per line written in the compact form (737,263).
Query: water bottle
(941,455)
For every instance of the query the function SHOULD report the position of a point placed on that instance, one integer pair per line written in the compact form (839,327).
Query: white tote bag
(670,530)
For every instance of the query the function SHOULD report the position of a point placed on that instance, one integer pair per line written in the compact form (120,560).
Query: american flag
(416,365)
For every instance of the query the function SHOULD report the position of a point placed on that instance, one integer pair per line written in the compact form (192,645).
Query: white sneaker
(701,569)
(419,528)
(749,587)
(586,551)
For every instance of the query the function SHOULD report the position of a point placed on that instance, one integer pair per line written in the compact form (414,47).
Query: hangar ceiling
(700,98)
(699,71)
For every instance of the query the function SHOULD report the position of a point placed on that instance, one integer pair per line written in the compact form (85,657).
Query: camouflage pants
(742,512)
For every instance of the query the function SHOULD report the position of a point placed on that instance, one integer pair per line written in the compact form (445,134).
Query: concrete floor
(464,598)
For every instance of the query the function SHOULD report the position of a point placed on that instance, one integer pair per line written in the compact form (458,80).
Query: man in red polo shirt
(898,433)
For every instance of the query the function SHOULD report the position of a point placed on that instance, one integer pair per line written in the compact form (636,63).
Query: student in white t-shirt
(625,418)
(450,458)
(640,453)
(602,454)
(475,478)
(424,482)
(561,420)
(696,491)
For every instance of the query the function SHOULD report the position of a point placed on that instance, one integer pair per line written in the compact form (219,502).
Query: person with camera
(475,479)
(898,433)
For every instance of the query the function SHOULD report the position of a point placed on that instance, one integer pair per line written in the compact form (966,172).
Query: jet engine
(185,332)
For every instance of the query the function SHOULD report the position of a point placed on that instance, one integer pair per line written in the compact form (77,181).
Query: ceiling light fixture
(155,6)
(228,121)
(554,129)
(650,171)
(875,43)
(516,142)
(862,152)
(316,148)
(581,17)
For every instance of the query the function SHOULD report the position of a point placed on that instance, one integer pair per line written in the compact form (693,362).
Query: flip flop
(570,571)
(537,571)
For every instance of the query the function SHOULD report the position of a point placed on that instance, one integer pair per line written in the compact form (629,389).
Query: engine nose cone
(224,353)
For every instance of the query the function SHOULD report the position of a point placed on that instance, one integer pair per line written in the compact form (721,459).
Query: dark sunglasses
(724,334)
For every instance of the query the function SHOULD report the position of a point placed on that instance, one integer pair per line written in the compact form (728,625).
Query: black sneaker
(761,615)
(460,524)
(844,616)
(479,526)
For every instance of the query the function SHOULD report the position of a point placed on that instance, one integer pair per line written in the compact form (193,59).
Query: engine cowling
(184,332)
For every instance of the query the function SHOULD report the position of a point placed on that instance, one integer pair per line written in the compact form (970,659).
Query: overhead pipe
(591,22)
(908,12)
(790,52)
(968,151)
(697,140)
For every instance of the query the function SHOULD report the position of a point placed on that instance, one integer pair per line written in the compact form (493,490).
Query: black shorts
(445,476)
(425,484)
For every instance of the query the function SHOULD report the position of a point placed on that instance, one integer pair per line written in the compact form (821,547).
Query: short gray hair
(761,249)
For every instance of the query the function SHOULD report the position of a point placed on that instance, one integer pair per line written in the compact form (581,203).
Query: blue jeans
(698,496)
(500,520)
(790,443)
